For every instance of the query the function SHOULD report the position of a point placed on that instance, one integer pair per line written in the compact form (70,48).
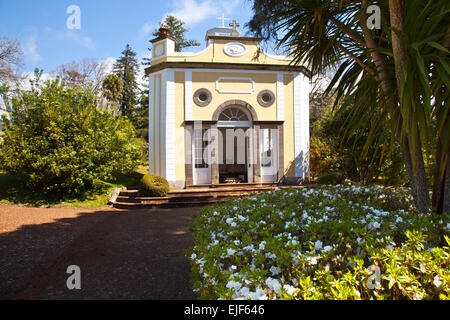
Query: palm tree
(398,72)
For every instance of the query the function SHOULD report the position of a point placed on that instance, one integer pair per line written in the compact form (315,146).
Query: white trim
(188,95)
(234,124)
(170,127)
(235,78)
(157,123)
(151,121)
(301,125)
(280,96)
(190,54)
(163,124)
(274,56)
(242,51)
(223,71)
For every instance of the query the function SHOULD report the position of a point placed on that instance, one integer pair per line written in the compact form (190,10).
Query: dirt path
(122,254)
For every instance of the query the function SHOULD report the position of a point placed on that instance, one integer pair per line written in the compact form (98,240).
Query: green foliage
(153,186)
(331,242)
(334,154)
(62,142)
(112,88)
(393,79)
(126,68)
(177,30)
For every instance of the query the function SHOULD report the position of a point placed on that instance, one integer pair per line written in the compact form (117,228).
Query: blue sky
(106,26)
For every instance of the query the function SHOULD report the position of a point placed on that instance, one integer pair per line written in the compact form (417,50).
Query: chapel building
(230,113)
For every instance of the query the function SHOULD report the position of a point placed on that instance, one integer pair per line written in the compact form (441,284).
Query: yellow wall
(180,171)
(215,53)
(208,80)
(288,128)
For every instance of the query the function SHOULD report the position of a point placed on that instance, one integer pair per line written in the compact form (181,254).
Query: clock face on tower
(235,49)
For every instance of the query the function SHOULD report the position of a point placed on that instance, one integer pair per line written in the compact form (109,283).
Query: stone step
(129,199)
(181,198)
(129,205)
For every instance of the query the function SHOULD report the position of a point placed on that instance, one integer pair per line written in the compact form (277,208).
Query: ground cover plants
(329,242)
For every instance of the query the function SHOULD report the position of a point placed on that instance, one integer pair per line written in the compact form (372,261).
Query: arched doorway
(235,145)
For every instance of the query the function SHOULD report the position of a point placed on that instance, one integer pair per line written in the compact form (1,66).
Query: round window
(266,98)
(202,97)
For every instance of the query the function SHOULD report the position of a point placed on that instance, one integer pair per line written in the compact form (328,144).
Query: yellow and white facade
(228,113)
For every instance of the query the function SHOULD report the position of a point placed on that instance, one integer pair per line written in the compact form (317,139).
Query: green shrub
(63,142)
(331,178)
(330,242)
(153,186)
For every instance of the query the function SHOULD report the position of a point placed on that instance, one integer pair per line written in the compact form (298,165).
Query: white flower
(193,256)
(399,220)
(234,285)
(437,281)
(275,270)
(235,208)
(327,248)
(318,245)
(262,245)
(273,284)
(230,252)
(290,290)
(312,260)
(259,294)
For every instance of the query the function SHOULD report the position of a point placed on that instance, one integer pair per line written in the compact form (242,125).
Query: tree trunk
(446,191)
(414,163)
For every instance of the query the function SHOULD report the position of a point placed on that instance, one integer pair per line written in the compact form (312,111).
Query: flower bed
(332,242)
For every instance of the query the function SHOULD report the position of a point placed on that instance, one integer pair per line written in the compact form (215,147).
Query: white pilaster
(301,125)
(170,126)
(151,124)
(280,96)
(188,96)
(157,124)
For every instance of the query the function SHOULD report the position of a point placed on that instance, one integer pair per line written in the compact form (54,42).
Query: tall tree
(10,59)
(127,68)
(112,88)
(176,30)
(83,73)
(10,62)
(399,68)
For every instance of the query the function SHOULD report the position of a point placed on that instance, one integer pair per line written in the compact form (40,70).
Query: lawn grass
(13,190)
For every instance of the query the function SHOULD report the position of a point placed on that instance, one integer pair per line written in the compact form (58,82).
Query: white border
(169,142)
(301,125)
(234,55)
(235,78)
(188,95)
(280,96)
(151,121)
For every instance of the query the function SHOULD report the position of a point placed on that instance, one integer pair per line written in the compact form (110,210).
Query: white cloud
(195,11)
(73,36)
(84,41)
(29,48)
(108,64)
(147,28)
(192,12)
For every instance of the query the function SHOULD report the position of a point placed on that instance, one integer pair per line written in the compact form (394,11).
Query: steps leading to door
(192,197)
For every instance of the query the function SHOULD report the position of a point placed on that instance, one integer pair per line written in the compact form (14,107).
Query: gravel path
(122,254)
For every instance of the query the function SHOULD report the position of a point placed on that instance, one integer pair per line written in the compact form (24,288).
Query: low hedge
(153,186)
(330,242)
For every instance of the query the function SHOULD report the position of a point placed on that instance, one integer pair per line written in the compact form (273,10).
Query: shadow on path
(122,254)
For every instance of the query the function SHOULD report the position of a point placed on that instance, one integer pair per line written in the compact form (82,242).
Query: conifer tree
(126,68)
